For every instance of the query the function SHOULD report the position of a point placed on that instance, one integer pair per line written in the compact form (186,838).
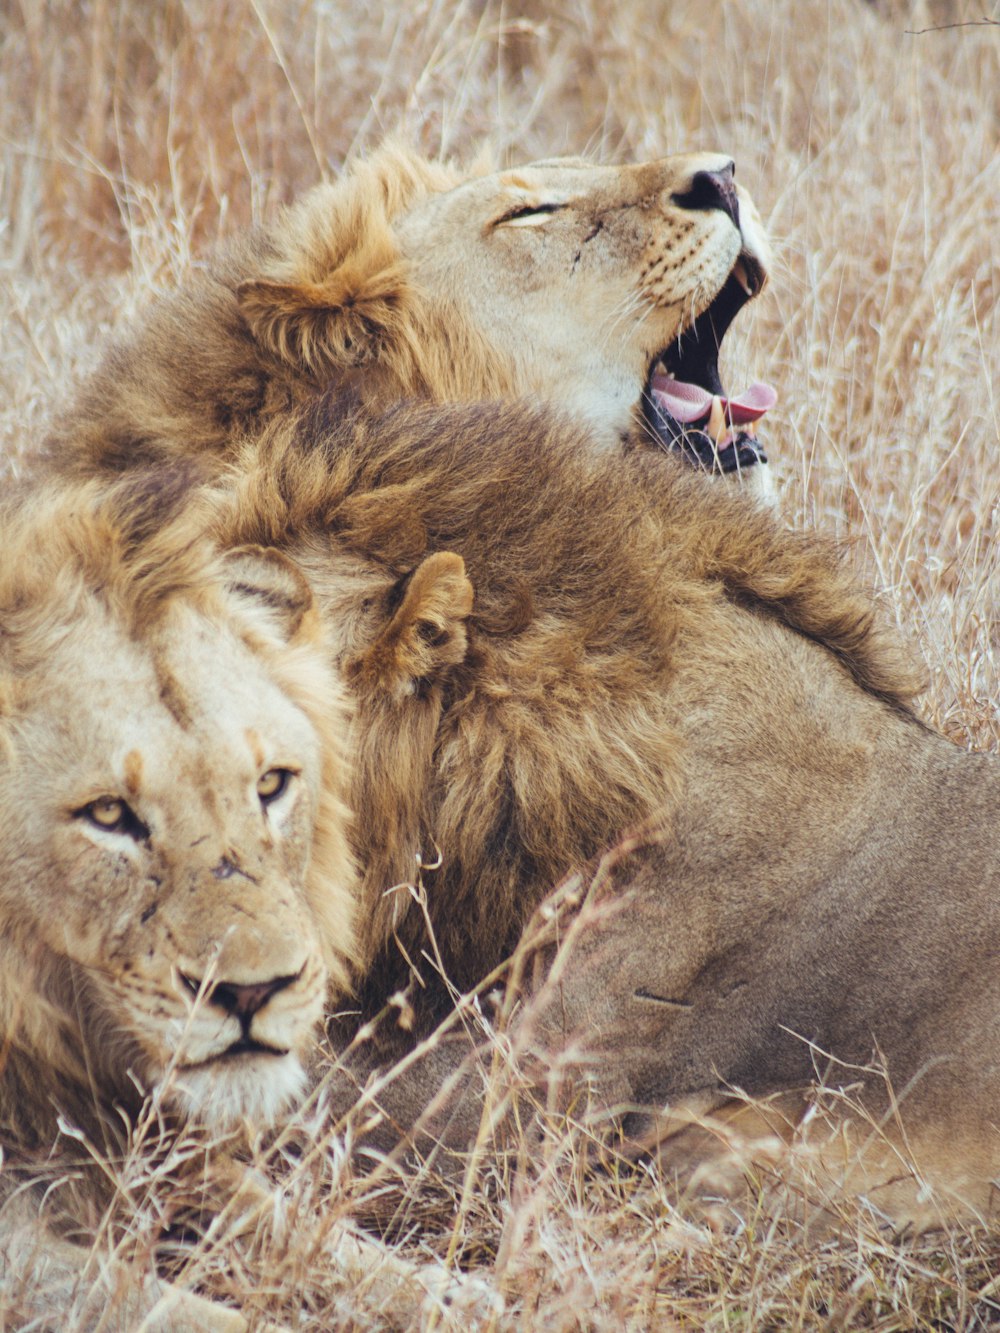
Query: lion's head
(175,890)
(605,290)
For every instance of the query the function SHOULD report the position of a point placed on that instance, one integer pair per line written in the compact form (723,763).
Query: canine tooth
(740,274)
(717,424)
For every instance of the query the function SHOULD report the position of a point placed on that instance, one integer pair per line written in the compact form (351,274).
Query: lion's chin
(224,1094)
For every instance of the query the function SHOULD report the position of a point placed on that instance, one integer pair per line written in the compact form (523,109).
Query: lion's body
(560,282)
(146,687)
(641,653)
(556,731)
(823,911)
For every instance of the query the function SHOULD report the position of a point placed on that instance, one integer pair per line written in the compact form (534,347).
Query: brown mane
(320,297)
(555,734)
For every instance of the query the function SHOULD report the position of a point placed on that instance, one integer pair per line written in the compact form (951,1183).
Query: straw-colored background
(135,132)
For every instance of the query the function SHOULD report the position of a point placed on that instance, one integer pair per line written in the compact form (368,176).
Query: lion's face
(159,807)
(599,286)
(606,291)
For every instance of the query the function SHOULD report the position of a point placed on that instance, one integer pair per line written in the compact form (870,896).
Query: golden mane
(336,296)
(77,559)
(514,490)
(320,297)
(136,546)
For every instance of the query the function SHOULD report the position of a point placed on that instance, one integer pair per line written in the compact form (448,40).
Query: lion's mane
(555,734)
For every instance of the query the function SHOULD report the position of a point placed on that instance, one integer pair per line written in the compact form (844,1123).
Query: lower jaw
(735,454)
(221,1095)
(729,448)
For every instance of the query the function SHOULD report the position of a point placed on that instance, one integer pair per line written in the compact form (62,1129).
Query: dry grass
(132,134)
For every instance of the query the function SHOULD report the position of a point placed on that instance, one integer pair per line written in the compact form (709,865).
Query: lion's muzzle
(712,189)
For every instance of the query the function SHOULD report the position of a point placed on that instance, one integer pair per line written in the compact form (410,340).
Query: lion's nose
(712,189)
(242,999)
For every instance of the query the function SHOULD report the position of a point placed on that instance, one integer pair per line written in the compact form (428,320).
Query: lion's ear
(273,588)
(426,633)
(337,323)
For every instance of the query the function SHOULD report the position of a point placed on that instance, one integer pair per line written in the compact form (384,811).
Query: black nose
(242,1000)
(712,189)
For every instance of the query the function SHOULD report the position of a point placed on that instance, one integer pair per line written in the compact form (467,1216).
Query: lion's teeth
(740,274)
(717,424)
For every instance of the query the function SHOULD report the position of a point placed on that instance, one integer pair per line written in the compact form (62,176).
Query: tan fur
(136,665)
(817,872)
(410,279)
(580,601)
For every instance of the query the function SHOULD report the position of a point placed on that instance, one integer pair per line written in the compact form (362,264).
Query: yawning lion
(602,290)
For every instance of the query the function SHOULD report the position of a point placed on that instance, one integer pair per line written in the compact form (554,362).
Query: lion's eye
(534,215)
(273,783)
(113,815)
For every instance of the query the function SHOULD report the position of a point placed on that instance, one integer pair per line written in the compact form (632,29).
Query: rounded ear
(273,587)
(425,635)
(339,322)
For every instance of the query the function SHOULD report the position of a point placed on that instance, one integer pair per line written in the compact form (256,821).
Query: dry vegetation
(132,134)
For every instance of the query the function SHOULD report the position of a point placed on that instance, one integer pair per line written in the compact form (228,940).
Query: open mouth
(684,405)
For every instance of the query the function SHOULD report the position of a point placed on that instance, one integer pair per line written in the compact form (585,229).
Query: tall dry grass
(135,132)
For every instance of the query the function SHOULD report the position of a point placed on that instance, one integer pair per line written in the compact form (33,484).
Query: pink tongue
(689,402)
(751,404)
(684,402)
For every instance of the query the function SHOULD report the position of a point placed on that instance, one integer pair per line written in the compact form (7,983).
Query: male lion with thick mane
(177,893)
(641,655)
(603,290)
(552,641)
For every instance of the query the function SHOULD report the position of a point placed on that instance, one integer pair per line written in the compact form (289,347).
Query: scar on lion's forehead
(172,697)
(133,772)
(256,746)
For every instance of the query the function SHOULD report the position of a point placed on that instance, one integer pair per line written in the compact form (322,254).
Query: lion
(176,888)
(635,654)
(604,291)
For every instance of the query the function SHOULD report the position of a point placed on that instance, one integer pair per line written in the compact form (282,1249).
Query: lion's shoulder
(595,582)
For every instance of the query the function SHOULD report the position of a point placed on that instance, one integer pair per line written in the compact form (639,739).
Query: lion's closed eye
(530,215)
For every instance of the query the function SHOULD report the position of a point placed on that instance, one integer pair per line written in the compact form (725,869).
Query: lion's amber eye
(113,815)
(271,784)
(106,812)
